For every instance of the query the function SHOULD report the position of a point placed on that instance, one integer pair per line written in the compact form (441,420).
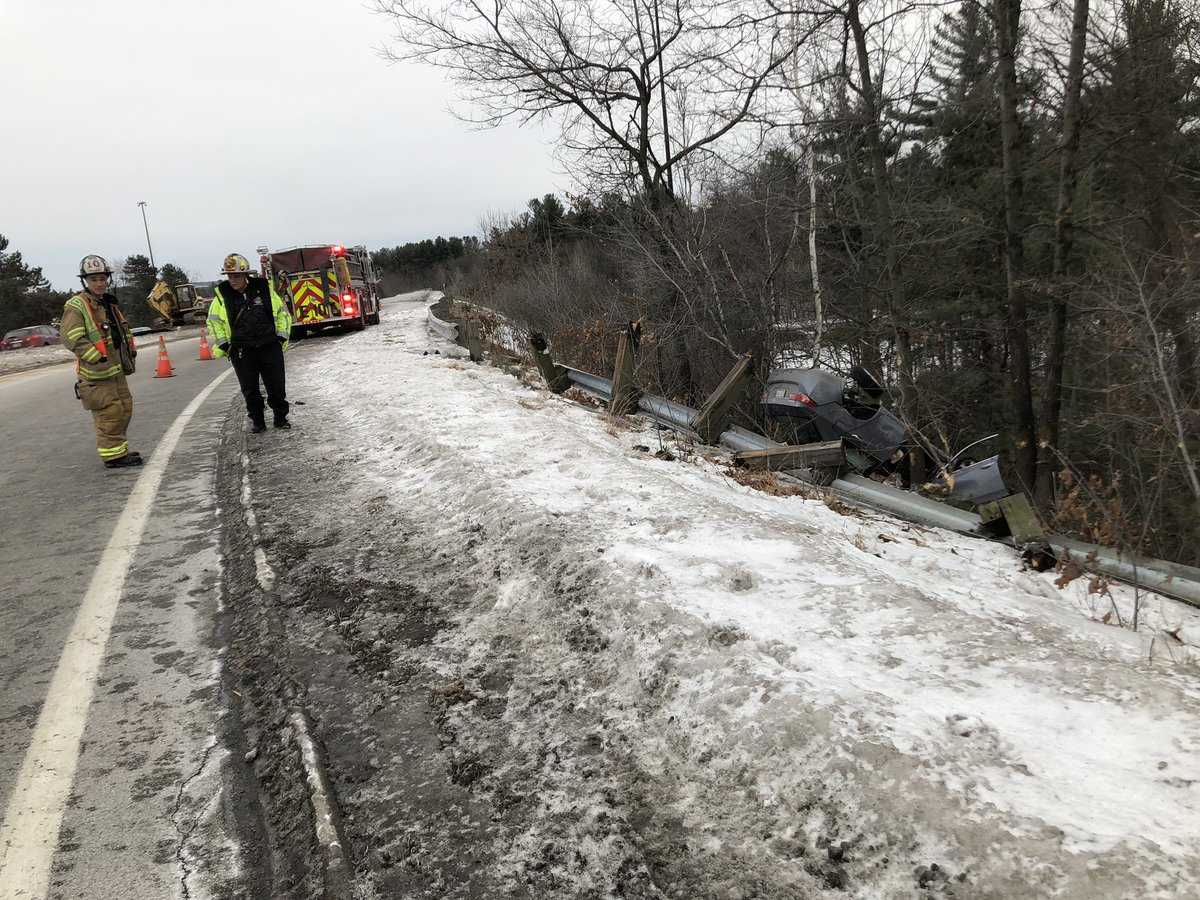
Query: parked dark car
(33,336)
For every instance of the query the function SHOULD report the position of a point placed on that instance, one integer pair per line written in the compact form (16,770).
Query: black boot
(123,462)
(257,426)
(282,422)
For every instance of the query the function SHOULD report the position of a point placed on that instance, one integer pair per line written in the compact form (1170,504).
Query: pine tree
(173,275)
(16,277)
(960,274)
(25,295)
(1147,108)
(964,122)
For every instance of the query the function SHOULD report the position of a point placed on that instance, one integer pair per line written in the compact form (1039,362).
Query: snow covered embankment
(28,358)
(33,358)
(743,695)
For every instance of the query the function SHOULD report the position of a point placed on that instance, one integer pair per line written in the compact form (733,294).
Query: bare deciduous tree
(615,74)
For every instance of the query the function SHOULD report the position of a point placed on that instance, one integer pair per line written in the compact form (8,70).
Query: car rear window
(21,332)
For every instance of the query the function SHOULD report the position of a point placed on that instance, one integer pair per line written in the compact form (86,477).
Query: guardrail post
(710,420)
(624,392)
(471,338)
(553,374)
(1012,515)
(830,454)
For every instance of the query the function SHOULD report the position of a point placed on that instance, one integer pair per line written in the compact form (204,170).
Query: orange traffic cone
(205,352)
(163,369)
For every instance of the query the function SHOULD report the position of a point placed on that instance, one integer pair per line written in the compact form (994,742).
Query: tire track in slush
(320,793)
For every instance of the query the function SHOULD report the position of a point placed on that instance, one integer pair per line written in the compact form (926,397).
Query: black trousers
(265,362)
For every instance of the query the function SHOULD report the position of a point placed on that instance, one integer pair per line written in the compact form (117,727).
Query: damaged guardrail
(464,331)
(1010,520)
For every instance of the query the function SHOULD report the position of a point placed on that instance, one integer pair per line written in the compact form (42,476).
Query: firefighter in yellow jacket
(95,330)
(249,323)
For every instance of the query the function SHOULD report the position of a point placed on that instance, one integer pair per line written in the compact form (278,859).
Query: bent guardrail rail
(1161,576)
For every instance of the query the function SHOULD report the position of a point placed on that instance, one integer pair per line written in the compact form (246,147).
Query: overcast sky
(239,123)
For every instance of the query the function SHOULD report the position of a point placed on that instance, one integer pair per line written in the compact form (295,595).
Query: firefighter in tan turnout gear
(95,330)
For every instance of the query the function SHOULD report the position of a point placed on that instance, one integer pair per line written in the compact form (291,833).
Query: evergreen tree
(25,295)
(545,217)
(137,275)
(961,276)
(173,275)
(963,123)
(16,277)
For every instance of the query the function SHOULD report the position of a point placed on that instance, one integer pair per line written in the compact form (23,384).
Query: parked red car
(33,336)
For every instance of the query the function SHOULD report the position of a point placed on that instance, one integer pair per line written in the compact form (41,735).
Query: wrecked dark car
(811,405)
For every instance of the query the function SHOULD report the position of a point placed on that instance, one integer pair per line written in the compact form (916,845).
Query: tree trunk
(812,252)
(1023,434)
(885,236)
(1068,176)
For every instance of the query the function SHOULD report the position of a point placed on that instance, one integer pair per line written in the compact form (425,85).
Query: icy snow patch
(839,645)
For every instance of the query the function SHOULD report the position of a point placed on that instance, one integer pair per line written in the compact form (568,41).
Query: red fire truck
(326,286)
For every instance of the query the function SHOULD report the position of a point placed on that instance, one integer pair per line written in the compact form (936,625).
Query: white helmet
(94,265)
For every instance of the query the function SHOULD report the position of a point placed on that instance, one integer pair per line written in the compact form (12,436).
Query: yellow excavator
(179,305)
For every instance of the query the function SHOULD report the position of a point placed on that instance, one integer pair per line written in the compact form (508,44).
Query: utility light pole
(142,204)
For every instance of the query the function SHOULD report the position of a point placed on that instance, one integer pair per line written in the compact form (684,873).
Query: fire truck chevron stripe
(304,289)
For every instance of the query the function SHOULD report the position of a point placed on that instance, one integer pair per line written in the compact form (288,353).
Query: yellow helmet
(236,264)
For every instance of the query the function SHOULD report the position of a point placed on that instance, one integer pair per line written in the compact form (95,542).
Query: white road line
(29,835)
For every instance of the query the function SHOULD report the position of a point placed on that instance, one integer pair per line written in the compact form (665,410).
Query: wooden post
(553,374)
(711,418)
(624,391)
(471,327)
(803,456)
(1012,515)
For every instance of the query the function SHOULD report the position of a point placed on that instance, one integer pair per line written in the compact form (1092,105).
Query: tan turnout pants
(111,406)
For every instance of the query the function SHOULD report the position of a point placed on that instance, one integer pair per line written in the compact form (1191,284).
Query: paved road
(115,740)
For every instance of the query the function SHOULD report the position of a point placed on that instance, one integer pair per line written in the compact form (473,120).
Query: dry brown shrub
(531,378)
(615,425)
(582,397)
(839,506)
(767,482)
(591,347)
(1068,571)
(1092,509)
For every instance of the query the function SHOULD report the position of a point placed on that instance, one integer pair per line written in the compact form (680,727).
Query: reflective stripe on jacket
(220,331)
(83,330)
